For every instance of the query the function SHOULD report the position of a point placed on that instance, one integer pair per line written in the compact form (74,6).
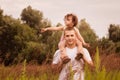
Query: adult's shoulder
(86,55)
(57,53)
(56,57)
(85,49)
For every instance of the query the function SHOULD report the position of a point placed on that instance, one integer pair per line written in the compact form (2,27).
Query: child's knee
(61,44)
(79,42)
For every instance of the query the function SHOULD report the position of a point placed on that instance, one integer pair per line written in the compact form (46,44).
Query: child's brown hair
(74,18)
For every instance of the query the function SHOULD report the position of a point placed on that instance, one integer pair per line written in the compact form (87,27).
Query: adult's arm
(57,63)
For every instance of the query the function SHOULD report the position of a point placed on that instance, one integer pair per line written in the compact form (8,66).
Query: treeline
(21,39)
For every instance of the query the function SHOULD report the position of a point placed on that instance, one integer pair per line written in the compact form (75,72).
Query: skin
(70,38)
(68,22)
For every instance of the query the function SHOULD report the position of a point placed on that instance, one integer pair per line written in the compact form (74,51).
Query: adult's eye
(67,35)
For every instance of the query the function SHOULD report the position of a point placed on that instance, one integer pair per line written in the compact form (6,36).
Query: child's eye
(68,19)
(72,35)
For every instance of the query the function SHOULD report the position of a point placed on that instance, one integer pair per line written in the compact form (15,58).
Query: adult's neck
(71,45)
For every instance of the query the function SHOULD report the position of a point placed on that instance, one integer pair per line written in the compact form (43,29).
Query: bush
(32,52)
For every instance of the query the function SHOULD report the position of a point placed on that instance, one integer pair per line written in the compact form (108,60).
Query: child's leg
(80,47)
(80,50)
(63,55)
(61,46)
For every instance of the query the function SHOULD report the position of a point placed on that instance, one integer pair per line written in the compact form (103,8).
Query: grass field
(109,69)
(43,72)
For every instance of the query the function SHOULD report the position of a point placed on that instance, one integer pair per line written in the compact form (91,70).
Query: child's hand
(43,30)
(86,44)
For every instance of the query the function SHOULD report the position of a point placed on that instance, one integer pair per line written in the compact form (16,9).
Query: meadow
(24,71)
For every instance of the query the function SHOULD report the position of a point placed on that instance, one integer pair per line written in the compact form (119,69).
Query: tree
(1,17)
(32,17)
(14,38)
(114,32)
(114,35)
(88,34)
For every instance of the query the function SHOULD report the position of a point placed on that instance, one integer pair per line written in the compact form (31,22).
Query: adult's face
(70,37)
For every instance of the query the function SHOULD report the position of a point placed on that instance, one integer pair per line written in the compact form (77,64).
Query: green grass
(44,72)
(100,74)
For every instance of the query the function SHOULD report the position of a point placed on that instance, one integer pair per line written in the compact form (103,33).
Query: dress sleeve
(56,57)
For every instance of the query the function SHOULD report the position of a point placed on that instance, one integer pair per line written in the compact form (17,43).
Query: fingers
(42,30)
(87,44)
(78,42)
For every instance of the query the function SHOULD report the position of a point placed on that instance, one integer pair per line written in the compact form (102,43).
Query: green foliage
(31,17)
(117,46)
(31,51)
(71,74)
(100,74)
(108,46)
(1,17)
(114,32)
(97,61)
(7,44)
(14,37)
(21,39)
(23,75)
(51,43)
(114,35)
(88,34)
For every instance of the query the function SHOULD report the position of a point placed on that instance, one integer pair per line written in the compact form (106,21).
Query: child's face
(68,21)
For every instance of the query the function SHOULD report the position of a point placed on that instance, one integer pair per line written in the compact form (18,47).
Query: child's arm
(52,29)
(80,37)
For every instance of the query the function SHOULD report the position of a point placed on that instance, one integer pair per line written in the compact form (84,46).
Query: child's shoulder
(64,27)
(75,28)
(61,27)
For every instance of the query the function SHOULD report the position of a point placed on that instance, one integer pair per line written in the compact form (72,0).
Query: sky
(99,14)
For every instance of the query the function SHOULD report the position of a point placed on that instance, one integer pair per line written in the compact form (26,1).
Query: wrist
(84,43)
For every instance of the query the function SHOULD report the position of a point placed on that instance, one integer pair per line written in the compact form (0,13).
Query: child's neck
(70,27)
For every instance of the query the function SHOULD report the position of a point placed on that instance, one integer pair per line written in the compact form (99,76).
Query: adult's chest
(71,53)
